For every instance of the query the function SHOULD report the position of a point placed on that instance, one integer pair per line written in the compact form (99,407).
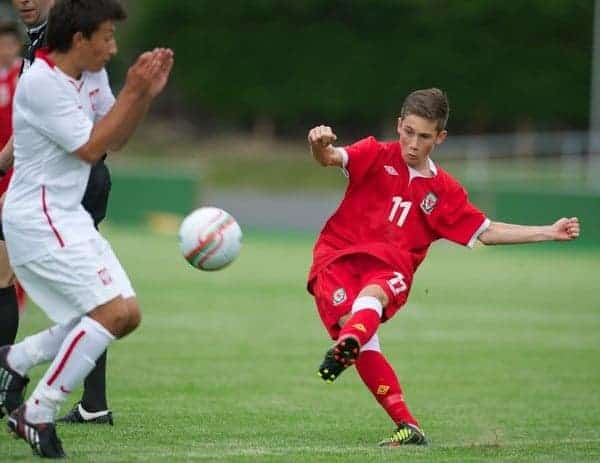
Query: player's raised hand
(136,78)
(321,136)
(320,139)
(150,73)
(160,69)
(566,229)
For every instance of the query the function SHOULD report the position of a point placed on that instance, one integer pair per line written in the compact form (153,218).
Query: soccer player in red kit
(10,67)
(398,202)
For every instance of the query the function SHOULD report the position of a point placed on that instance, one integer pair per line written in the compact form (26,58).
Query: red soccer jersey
(8,84)
(392,213)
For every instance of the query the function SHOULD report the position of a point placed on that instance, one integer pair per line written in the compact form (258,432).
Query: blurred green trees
(504,64)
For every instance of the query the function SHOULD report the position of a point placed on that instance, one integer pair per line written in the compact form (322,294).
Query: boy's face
(418,137)
(96,52)
(10,46)
(33,12)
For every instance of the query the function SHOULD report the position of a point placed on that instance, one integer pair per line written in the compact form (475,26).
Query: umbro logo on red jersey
(390,170)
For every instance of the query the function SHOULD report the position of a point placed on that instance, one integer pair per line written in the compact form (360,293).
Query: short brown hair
(67,17)
(429,103)
(10,28)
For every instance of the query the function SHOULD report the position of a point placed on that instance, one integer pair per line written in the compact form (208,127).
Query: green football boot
(405,434)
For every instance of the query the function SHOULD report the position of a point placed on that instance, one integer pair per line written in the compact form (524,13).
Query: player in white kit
(65,118)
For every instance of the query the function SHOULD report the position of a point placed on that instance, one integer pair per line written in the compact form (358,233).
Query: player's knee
(135,314)
(377,292)
(119,318)
(114,316)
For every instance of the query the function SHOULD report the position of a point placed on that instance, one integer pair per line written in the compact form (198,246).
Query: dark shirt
(37,40)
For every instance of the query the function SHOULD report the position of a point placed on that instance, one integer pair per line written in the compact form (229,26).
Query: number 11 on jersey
(399,210)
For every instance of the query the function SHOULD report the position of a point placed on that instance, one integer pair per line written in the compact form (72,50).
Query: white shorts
(71,281)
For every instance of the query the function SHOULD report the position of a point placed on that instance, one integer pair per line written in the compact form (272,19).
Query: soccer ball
(210,238)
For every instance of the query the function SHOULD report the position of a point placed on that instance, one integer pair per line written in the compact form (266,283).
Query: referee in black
(93,407)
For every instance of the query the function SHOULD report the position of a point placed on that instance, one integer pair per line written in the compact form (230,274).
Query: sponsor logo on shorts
(105,277)
(429,203)
(339,296)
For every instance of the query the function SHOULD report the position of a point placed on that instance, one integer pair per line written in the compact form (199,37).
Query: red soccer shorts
(337,285)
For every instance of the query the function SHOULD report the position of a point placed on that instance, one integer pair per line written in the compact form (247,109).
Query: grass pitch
(497,351)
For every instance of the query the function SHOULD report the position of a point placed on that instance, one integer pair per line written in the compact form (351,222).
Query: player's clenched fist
(321,136)
(566,229)
(320,139)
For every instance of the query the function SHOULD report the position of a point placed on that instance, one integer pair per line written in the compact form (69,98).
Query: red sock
(379,376)
(362,326)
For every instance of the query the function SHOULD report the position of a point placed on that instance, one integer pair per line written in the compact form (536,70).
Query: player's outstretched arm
(146,78)
(320,139)
(6,155)
(565,229)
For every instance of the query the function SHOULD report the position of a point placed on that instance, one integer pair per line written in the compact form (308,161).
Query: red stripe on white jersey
(45,208)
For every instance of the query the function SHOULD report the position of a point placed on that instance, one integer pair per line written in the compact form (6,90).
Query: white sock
(367,303)
(38,348)
(75,359)
(372,344)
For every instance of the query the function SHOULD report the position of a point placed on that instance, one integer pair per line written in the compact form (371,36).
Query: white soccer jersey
(53,116)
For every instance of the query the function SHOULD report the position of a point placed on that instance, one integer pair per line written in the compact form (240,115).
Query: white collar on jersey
(36,29)
(413,173)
